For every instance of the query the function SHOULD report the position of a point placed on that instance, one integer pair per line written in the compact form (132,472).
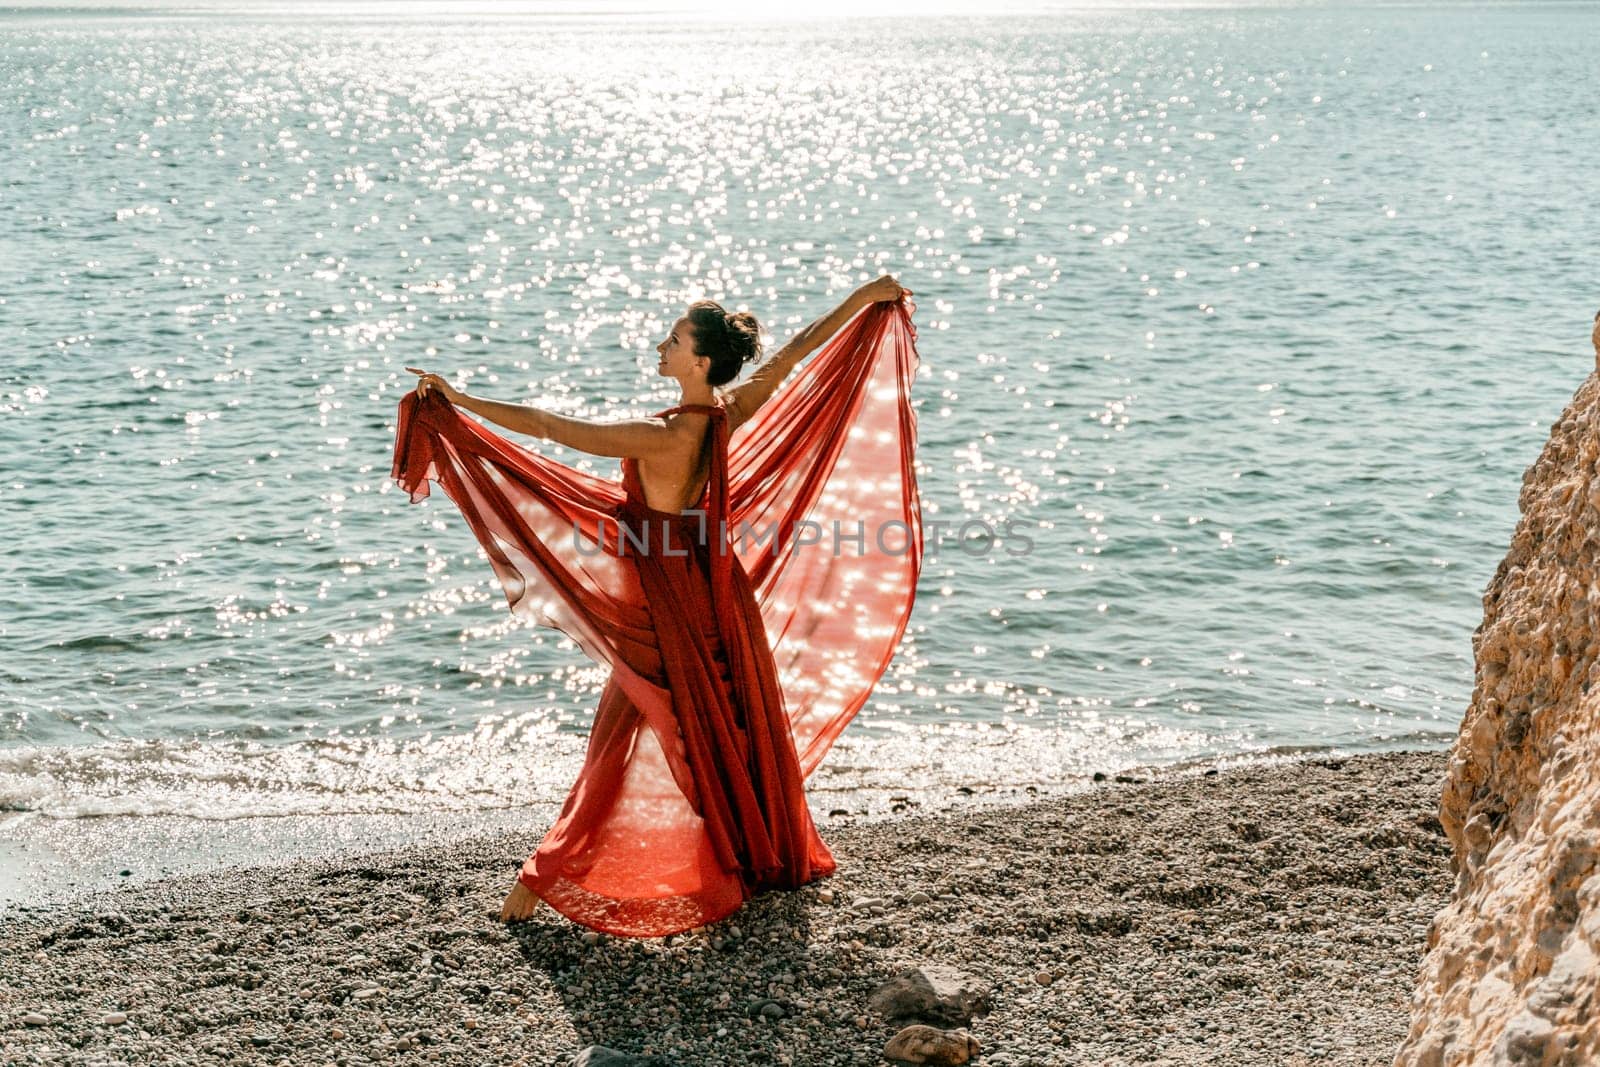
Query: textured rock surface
(930,1045)
(1513,961)
(600,1056)
(938,996)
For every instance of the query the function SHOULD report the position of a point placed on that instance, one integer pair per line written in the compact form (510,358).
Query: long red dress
(736,657)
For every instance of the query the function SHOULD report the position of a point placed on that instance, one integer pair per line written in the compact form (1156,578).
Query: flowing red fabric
(742,636)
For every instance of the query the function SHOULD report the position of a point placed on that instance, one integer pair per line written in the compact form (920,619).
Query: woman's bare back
(666,479)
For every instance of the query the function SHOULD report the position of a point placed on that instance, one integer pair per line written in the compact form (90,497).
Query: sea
(1244,320)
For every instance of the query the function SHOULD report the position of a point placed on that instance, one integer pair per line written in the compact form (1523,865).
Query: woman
(691,795)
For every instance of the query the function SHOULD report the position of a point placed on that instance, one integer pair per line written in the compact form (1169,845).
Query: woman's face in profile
(677,351)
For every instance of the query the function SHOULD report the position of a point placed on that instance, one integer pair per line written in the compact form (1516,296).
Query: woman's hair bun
(744,335)
(729,338)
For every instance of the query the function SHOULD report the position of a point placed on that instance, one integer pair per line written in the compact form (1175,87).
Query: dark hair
(730,338)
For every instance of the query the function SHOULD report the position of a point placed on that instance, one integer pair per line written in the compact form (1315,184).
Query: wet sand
(1258,914)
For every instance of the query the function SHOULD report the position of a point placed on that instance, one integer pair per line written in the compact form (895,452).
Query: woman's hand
(882,289)
(433,383)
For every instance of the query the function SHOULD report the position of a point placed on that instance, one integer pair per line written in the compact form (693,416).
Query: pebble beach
(1252,914)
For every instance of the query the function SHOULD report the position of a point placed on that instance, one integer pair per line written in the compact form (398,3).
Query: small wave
(102,643)
(227,781)
(490,770)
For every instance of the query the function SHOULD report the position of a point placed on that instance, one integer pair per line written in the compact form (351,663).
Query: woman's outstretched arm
(745,398)
(623,437)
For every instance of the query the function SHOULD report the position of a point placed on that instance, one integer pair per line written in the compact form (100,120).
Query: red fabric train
(741,641)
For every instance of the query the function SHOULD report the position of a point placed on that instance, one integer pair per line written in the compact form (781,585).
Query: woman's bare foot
(520,903)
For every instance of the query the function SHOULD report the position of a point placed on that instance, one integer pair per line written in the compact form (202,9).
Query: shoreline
(1248,915)
(48,861)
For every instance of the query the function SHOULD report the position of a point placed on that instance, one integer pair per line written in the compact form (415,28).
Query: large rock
(927,1045)
(600,1056)
(1513,962)
(930,993)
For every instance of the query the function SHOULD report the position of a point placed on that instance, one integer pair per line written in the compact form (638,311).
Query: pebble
(33,1018)
(1044,978)
(115,1018)
(921,898)
(929,1045)
(590,938)
(825,896)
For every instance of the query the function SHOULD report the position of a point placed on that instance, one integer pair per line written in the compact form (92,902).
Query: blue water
(1248,318)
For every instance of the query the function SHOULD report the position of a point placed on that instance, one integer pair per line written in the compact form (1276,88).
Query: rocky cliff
(1513,962)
